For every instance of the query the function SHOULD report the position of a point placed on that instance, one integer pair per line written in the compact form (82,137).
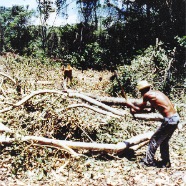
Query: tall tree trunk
(1,38)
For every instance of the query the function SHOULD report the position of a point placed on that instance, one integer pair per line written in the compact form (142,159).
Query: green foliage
(97,42)
(35,49)
(45,8)
(93,55)
(156,65)
(181,41)
(14,25)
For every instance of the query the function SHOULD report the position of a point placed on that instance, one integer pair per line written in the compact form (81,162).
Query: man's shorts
(173,120)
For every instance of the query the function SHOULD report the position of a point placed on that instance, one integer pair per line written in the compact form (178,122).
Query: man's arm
(137,107)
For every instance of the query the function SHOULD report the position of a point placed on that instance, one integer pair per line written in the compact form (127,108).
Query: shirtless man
(161,137)
(67,73)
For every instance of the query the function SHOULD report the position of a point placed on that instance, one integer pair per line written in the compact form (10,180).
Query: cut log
(95,102)
(4,128)
(149,116)
(120,100)
(138,146)
(136,140)
(69,145)
(90,107)
(114,100)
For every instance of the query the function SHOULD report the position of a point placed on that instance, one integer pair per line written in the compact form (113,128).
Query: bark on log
(138,146)
(38,140)
(149,116)
(152,116)
(155,117)
(69,145)
(112,100)
(120,100)
(95,102)
(4,128)
(134,141)
(92,108)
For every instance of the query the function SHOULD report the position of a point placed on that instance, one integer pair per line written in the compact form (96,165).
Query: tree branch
(69,145)
(39,140)
(5,75)
(90,107)
(95,102)
(26,98)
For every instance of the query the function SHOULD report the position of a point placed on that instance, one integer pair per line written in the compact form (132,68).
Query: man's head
(143,86)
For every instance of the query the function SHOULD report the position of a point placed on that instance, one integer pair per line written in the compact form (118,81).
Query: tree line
(108,34)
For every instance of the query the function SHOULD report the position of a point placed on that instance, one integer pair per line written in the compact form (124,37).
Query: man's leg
(164,146)
(158,137)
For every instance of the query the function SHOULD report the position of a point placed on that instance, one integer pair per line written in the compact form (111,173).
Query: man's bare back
(160,102)
(169,124)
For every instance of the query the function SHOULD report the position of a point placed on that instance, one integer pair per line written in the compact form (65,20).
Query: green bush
(156,64)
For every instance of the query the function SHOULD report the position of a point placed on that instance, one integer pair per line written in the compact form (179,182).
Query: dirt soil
(98,168)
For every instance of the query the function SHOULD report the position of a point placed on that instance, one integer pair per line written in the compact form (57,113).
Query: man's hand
(132,111)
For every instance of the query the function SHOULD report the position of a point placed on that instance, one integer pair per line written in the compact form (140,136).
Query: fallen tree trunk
(142,116)
(95,102)
(69,145)
(71,93)
(138,146)
(121,101)
(90,107)
(149,116)
(114,100)
(39,140)
(109,147)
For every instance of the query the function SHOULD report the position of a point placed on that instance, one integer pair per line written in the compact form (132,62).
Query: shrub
(156,64)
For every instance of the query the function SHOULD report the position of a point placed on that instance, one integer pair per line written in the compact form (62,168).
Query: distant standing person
(163,134)
(67,73)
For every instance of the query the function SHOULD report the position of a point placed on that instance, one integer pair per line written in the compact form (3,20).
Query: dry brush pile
(39,114)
